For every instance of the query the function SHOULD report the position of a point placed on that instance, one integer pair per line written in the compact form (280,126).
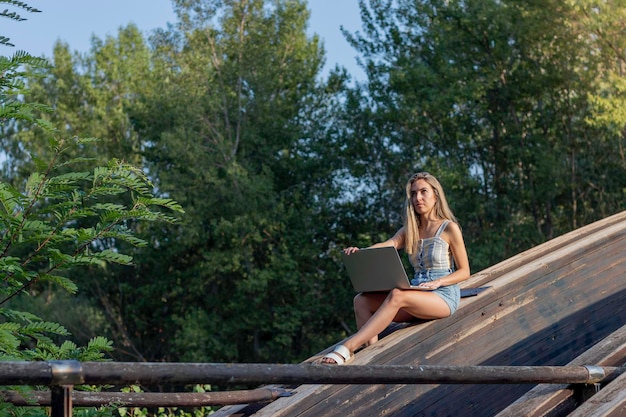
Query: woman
(431,236)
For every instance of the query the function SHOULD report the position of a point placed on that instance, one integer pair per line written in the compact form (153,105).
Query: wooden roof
(563,400)
(546,306)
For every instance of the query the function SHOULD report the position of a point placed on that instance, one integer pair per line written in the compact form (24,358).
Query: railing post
(61,400)
(65,374)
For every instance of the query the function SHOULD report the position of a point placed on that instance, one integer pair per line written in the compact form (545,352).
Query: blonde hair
(412,219)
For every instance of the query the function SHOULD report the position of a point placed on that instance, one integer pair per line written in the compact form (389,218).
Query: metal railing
(62,376)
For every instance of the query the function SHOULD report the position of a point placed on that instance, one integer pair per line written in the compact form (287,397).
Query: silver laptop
(377,269)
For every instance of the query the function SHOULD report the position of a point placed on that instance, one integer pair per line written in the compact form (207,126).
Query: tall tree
(495,92)
(228,115)
(599,162)
(227,129)
(91,95)
(54,221)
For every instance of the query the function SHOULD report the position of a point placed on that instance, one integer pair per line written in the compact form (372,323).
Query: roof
(546,306)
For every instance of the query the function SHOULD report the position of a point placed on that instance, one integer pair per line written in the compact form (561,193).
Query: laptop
(377,269)
(381,270)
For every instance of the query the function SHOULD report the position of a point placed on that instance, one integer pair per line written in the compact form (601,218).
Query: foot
(339,356)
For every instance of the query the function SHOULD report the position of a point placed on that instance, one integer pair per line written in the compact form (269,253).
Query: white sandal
(341,355)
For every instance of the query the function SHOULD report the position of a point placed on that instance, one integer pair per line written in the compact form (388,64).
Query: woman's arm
(397,241)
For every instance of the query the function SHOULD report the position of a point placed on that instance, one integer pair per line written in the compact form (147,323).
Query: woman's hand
(350,250)
(430,285)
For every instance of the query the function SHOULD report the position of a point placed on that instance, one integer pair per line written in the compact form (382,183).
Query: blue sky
(75,21)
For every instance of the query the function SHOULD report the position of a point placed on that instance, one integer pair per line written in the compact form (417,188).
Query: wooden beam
(148,399)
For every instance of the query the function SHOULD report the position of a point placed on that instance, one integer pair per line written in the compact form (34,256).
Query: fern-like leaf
(109,255)
(160,202)
(40,327)
(63,282)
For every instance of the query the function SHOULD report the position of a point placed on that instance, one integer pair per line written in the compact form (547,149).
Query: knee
(395,296)
(360,301)
(365,303)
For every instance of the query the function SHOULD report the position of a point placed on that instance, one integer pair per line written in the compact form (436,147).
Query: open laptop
(380,269)
(377,269)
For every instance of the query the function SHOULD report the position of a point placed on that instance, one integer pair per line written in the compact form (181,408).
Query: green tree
(493,96)
(597,181)
(90,96)
(244,275)
(42,236)
(227,113)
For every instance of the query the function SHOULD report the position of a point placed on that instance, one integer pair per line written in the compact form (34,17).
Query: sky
(75,21)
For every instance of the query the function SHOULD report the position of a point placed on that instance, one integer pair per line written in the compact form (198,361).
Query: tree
(493,95)
(599,172)
(41,239)
(243,277)
(90,96)
(230,121)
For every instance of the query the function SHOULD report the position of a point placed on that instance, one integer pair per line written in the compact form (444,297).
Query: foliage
(494,97)
(233,152)
(516,106)
(59,218)
(165,411)
(12,85)
(85,106)
(14,15)
(39,241)
(251,182)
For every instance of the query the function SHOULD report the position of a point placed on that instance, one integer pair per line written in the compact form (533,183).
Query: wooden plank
(530,256)
(515,262)
(609,402)
(559,399)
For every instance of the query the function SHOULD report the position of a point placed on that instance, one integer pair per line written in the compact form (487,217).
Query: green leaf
(64,282)
(40,327)
(110,255)
(34,182)
(8,342)
(70,178)
(161,202)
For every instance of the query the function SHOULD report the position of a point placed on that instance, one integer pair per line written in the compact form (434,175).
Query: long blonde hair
(412,219)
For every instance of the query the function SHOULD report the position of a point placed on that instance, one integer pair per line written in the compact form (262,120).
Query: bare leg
(399,305)
(365,305)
